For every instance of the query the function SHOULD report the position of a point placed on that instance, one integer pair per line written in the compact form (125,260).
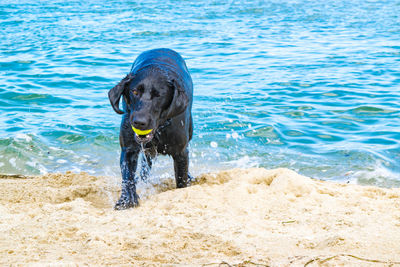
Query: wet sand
(236,217)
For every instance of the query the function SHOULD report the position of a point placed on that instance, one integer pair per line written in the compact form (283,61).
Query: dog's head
(151,98)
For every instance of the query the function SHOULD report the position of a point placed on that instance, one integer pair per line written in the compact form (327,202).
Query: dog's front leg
(128,163)
(181,166)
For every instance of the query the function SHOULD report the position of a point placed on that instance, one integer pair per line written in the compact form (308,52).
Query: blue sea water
(313,86)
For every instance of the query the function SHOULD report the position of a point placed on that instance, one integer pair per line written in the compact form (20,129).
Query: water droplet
(13,162)
(214,144)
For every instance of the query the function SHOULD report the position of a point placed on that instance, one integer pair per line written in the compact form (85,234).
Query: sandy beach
(240,217)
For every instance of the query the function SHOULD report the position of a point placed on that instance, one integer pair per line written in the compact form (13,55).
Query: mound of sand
(237,217)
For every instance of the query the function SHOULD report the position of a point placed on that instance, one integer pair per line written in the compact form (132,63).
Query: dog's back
(163,58)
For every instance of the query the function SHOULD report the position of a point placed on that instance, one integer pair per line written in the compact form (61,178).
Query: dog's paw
(126,201)
(123,204)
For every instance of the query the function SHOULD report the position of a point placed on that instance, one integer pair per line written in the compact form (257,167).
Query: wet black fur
(156,94)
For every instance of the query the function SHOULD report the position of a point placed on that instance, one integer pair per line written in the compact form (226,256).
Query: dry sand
(237,217)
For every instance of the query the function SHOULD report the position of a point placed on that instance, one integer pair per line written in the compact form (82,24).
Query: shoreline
(241,216)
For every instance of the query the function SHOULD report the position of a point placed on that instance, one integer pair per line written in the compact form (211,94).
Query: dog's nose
(140,124)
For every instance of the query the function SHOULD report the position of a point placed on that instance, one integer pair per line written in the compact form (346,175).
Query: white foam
(214,144)
(22,136)
(31,163)
(78,170)
(13,162)
(42,169)
(244,162)
(379,172)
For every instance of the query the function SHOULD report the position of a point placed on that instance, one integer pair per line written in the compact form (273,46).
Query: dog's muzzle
(143,136)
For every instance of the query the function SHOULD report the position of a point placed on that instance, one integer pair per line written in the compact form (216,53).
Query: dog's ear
(179,102)
(115,93)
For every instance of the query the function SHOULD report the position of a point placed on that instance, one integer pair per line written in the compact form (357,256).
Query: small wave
(33,98)
(378,174)
(365,110)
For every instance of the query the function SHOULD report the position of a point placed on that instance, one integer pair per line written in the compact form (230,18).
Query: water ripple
(309,85)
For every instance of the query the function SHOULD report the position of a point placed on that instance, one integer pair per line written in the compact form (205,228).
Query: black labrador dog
(157,104)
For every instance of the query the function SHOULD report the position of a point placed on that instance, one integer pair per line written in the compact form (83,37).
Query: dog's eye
(138,90)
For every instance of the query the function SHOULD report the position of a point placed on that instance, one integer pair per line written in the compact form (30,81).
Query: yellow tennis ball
(141,132)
